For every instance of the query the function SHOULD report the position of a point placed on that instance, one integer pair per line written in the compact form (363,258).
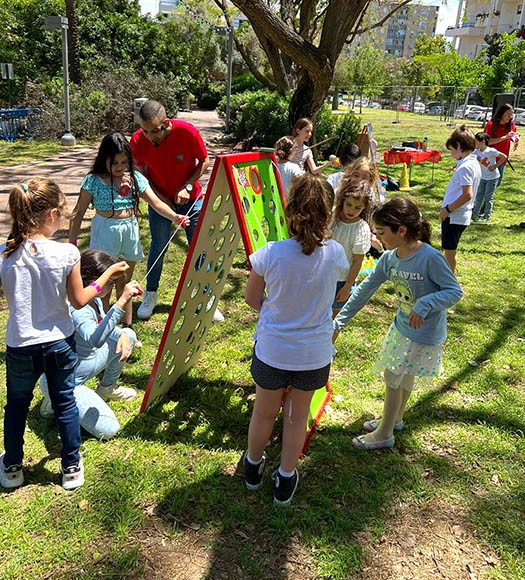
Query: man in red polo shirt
(172,155)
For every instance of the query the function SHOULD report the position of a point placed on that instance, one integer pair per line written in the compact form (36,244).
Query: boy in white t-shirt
(456,209)
(490,159)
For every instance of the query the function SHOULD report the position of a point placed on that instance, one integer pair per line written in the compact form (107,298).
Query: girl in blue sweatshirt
(425,288)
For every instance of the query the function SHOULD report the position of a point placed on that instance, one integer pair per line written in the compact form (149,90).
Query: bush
(103,103)
(245,82)
(263,111)
(267,112)
(211,96)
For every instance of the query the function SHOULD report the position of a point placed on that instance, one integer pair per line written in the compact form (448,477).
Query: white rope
(170,239)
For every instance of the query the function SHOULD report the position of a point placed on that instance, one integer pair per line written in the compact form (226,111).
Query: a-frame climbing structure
(244,201)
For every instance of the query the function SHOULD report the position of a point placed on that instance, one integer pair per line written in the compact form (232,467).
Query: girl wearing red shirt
(502,130)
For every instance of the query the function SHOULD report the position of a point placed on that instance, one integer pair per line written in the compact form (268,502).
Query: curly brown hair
(361,191)
(308,211)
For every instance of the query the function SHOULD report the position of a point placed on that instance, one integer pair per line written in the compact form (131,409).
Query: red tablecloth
(410,157)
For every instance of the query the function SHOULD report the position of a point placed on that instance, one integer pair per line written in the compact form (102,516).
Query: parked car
(374,105)
(478,113)
(436,110)
(403,108)
(519,117)
(419,107)
(462,112)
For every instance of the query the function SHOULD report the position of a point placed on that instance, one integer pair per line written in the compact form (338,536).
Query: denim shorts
(337,305)
(120,238)
(272,379)
(451,234)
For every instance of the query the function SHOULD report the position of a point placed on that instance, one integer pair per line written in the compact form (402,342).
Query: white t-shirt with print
(487,159)
(468,172)
(294,331)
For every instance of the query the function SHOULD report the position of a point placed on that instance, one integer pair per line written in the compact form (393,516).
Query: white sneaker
(114,393)
(72,476)
(218,316)
(11,477)
(149,301)
(46,409)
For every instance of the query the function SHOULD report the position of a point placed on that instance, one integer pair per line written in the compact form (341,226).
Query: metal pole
(229,78)
(67,138)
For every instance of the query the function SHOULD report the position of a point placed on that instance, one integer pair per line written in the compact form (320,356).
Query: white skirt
(401,356)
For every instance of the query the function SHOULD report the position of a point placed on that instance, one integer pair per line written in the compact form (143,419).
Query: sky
(447,11)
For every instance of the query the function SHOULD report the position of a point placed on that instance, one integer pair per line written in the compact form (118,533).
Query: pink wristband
(74,243)
(96,287)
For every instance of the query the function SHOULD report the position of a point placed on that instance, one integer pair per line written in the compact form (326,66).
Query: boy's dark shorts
(273,379)
(451,234)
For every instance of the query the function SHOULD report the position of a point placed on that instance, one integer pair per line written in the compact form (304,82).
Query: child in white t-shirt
(456,208)
(284,151)
(350,228)
(490,159)
(292,284)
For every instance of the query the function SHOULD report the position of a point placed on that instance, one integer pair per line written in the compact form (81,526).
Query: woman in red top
(502,130)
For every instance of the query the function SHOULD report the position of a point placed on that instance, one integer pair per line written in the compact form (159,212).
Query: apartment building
(399,33)
(479,18)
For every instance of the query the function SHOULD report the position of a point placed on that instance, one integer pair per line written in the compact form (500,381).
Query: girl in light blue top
(114,189)
(425,288)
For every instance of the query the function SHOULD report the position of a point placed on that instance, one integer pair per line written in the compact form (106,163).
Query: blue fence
(20,123)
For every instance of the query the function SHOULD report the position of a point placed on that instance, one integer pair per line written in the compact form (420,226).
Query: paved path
(70,167)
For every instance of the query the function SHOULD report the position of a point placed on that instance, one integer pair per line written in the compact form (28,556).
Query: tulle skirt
(401,356)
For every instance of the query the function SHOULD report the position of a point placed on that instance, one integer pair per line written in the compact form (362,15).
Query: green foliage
(345,129)
(103,103)
(507,65)
(263,111)
(212,95)
(245,82)
(267,113)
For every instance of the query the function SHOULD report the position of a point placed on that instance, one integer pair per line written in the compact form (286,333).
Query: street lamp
(61,23)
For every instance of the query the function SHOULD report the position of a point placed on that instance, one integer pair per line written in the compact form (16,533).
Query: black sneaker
(253,474)
(284,488)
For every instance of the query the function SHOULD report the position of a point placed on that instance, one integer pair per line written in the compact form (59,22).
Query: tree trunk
(72,43)
(309,95)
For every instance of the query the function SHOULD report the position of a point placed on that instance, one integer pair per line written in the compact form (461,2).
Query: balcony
(466,29)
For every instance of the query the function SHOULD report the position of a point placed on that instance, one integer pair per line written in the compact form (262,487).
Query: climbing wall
(244,201)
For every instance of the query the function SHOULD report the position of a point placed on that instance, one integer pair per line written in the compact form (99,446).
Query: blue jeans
(501,170)
(57,360)
(96,417)
(160,229)
(485,198)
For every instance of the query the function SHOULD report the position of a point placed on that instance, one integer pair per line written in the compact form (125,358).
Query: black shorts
(273,379)
(451,234)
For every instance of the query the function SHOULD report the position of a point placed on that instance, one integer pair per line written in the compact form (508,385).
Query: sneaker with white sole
(12,476)
(284,488)
(253,472)
(218,316)
(149,301)
(72,476)
(46,409)
(114,393)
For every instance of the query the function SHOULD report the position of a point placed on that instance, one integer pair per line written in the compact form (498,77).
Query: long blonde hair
(308,211)
(29,205)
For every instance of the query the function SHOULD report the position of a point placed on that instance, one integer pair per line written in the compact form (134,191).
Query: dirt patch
(427,542)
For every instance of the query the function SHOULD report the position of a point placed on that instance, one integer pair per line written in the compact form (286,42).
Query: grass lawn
(165,498)
(25,151)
